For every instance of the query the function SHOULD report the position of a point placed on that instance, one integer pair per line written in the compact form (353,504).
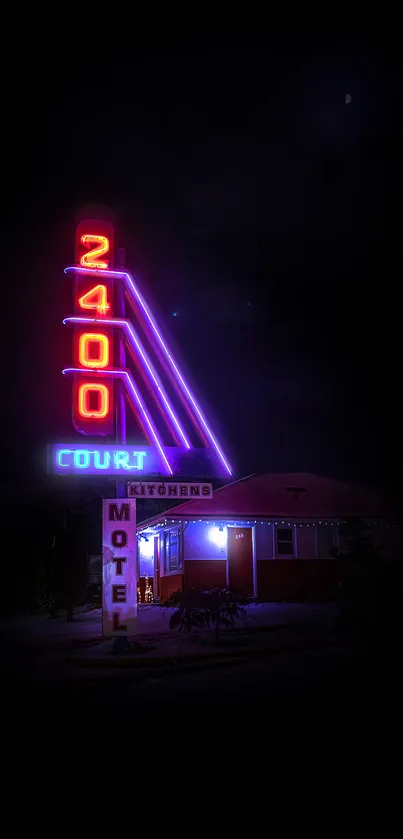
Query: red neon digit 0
(88,260)
(95,298)
(84,392)
(102,342)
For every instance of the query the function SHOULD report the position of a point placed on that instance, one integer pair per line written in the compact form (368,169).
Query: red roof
(299,495)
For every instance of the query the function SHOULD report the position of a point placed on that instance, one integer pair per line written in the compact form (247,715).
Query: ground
(287,659)
(153,620)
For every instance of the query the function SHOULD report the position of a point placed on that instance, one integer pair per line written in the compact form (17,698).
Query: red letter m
(122,514)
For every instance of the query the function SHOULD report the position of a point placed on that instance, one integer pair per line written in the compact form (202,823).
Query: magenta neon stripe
(182,395)
(123,374)
(178,374)
(129,281)
(188,393)
(150,424)
(146,361)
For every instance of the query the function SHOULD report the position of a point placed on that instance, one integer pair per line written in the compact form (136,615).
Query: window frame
(166,544)
(292,555)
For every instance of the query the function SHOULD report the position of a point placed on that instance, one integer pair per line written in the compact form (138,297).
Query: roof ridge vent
(296,490)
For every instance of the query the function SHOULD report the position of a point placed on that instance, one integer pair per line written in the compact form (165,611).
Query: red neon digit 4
(96,298)
(90,259)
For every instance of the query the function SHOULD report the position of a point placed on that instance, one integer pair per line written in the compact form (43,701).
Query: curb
(135,662)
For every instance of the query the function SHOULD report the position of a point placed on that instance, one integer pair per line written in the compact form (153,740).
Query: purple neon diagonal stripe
(182,384)
(146,364)
(124,374)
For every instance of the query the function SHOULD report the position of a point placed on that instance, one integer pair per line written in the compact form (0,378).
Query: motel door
(240,560)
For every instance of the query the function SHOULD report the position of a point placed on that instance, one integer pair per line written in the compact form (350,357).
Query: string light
(148,594)
(243,523)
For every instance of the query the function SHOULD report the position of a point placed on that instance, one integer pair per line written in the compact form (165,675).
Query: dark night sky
(251,201)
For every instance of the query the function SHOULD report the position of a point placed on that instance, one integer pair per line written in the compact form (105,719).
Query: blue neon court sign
(94,459)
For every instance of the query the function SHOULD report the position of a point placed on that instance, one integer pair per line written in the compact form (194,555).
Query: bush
(215,607)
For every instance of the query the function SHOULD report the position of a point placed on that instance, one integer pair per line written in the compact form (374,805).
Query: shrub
(215,607)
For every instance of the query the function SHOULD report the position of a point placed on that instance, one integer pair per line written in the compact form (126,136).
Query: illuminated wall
(146,556)
(264,541)
(306,542)
(205,541)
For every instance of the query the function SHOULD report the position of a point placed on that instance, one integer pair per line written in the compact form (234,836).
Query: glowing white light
(218,536)
(146,548)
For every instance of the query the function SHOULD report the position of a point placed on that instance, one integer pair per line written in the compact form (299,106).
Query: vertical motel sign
(119,567)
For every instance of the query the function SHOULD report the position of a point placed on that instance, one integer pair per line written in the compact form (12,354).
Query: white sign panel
(169,489)
(119,566)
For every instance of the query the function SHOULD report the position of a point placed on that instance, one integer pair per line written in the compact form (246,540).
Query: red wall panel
(205,573)
(297,580)
(170,584)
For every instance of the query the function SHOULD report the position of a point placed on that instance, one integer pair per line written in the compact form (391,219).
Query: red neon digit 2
(90,259)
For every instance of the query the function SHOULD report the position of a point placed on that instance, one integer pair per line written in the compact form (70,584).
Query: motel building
(264,536)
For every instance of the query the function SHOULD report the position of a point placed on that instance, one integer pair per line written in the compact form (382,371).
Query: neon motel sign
(179,440)
(178,437)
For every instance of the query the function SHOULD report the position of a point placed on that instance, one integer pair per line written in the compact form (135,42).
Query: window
(285,542)
(173,558)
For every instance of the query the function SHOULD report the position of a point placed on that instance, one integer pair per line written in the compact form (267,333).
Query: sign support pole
(121,643)
(121,354)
